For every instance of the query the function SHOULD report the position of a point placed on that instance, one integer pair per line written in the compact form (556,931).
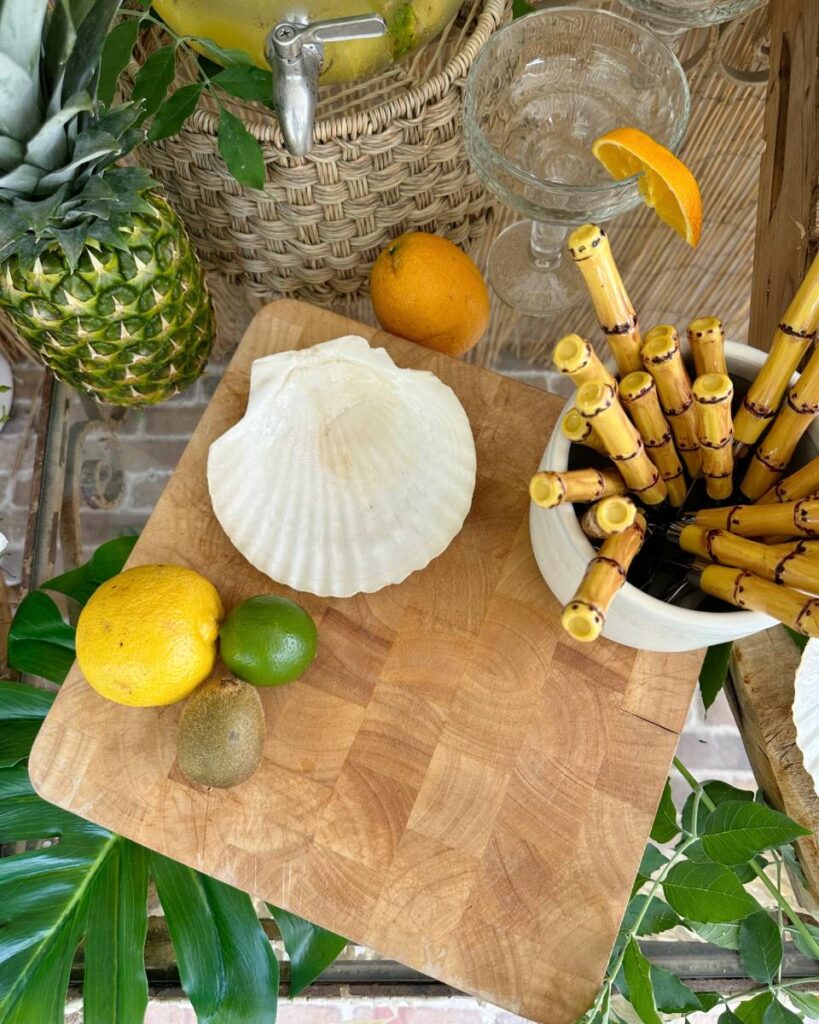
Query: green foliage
(714,672)
(92,886)
(701,886)
(240,151)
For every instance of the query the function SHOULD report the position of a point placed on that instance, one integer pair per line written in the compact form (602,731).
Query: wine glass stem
(547,245)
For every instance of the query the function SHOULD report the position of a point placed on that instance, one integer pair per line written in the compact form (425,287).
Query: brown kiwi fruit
(221,732)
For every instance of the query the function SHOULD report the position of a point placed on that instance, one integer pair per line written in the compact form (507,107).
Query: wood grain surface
(454,782)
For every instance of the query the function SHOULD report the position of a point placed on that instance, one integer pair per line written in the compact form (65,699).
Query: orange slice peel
(665,183)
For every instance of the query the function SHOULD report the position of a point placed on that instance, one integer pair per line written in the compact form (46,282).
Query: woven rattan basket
(388,157)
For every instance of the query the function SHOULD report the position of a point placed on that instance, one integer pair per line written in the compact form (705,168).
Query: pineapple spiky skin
(131,325)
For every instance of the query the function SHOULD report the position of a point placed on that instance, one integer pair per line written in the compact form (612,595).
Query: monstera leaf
(84,884)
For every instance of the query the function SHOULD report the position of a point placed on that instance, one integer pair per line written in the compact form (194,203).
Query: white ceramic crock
(563,551)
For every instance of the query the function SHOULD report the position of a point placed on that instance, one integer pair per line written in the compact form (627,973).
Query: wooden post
(788,172)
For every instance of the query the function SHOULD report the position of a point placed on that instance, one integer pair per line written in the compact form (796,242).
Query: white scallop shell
(6,390)
(806,709)
(346,473)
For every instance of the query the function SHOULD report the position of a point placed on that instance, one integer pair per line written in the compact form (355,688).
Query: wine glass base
(532,288)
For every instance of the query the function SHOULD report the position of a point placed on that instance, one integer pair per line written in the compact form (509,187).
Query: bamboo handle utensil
(575,357)
(638,393)
(706,336)
(745,590)
(589,248)
(597,402)
(794,567)
(790,519)
(608,516)
(550,489)
(790,343)
(577,430)
(712,397)
(585,615)
(775,450)
(661,357)
(801,484)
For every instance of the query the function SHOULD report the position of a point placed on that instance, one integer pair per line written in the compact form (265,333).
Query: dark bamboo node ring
(605,560)
(803,410)
(805,611)
(659,360)
(683,409)
(775,467)
(760,411)
(673,476)
(780,565)
(731,513)
(665,439)
(792,332)
(688,447)
(718,476)
(627,458)
(624,328)
(710,537)
(640,490)
(714,401)
(738,588)
(717,445)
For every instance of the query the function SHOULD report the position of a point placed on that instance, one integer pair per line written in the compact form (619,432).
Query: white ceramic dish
(635,619)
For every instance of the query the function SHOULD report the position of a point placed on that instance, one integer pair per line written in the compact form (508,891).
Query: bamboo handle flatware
(576,357)
(712,399)
(790,519)
(661,357)
(706,336)
(550,489)
(745,590)
(790,343)
(801,484)
(584,616)
(576,429)
(598,404)
(608,516)
(638,393)
(589,248)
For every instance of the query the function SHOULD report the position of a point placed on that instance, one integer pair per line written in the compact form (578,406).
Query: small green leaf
(778,1013)
(240,151)
(637,974)
(799,639)
(115,56)
(726,936)
(738,830)
(154,78)
(311,949)
(520,8)
(753,1010)
(727,1017)
(175,111)
(107,561)
(652,860)
(714,672)
(800,943)
(247,82)
(707,892)
(658,916)
(718,792)
(760,946)
(807,1002)
(665,825)
(39,641)
(708,1000)
(671,995)
(224,54)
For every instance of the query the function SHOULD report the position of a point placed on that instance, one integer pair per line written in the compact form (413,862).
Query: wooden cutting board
(454,783)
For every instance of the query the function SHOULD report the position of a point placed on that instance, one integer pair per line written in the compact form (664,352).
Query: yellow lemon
(148,636)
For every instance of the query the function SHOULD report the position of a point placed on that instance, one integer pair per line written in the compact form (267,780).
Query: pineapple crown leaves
(58,145)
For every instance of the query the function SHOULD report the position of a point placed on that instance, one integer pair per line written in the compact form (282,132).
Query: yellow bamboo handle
(776,448)
(575,357)
(550,489)
(803,482)
(584,616)
(597,402)
(745,590)
(794,568)
(589,248)
(578,431)
(638,393)
(790,518)
(795,547)
(712,397)
(706,336)
(661,357)
(790,343)
(609,516)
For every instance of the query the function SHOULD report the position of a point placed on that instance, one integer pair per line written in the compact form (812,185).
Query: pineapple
(96,271)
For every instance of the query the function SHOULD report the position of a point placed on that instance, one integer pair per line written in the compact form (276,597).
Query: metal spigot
(295,52)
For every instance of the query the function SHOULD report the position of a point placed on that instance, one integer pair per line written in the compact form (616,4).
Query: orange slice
(665,183)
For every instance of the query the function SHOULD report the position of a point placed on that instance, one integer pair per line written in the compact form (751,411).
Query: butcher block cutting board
(454,782)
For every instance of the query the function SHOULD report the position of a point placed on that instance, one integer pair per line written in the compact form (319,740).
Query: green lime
(268,640)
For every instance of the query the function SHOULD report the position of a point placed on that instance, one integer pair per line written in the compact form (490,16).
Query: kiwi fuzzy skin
(221,733)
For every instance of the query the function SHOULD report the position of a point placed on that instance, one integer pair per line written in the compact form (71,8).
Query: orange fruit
(425,288)
(665,183)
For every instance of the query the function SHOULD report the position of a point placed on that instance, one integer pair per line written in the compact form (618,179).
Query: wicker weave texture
(374,172)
